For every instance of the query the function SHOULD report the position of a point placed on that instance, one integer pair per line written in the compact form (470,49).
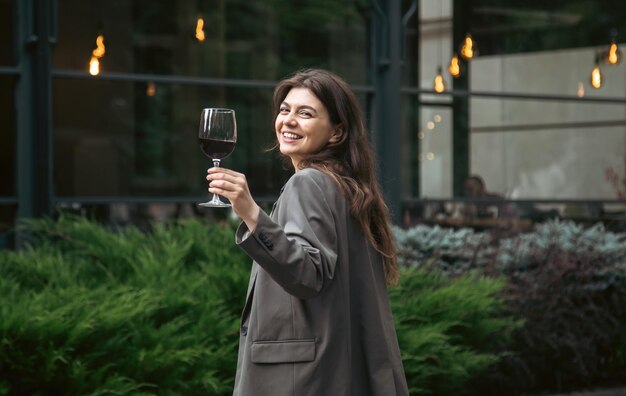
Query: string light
(94,66)
(468,49)
(200,29)
(581,90)
(614,54)
(151,89)
(455,66)
(596,78)
(96,54)
(439,83)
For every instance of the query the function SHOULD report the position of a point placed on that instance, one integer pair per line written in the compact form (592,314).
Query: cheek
(277,124)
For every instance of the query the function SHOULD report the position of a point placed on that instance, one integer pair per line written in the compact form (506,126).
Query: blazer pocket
(285,351)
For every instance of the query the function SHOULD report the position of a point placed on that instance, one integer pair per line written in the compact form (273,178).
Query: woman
(317,319)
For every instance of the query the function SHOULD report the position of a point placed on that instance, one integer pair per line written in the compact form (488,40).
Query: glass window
(435,46)
(541,149)
(140,139)
(7,136)
(435,153)
(7,33)
(235,39)
(560,72)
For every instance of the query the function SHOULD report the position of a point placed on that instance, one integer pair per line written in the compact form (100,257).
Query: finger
(228,186)
(222,170)
(237,178)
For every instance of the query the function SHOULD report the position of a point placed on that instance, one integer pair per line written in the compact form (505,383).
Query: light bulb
(455,67)
(200,29)
(614,55)
(151,89)
(100,48)
(439,83)
(596,78)
(96,54)
(94,66)
(581,90)
(468,49)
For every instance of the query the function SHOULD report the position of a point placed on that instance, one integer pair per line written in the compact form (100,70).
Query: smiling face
(303,126)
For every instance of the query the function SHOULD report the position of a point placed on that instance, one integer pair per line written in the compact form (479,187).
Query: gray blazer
(317,319)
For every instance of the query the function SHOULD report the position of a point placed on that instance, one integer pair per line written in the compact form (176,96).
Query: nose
(290,118)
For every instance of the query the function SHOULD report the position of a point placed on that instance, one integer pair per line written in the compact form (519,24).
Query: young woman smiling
(317,319)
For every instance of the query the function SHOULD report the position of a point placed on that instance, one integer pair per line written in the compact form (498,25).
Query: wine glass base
(214,204)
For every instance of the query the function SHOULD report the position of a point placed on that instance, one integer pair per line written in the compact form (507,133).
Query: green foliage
(91,311)
(567,282)
(88,310)
(445,327)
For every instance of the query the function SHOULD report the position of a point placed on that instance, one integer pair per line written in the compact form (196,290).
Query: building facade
(100,101)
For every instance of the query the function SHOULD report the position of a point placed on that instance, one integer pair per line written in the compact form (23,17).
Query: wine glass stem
(215,199)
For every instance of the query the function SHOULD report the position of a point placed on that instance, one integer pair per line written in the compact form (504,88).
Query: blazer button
(244,331)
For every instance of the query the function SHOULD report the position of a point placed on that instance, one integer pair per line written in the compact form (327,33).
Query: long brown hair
(349,160)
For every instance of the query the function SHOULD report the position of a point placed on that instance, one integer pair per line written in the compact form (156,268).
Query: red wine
(216,149)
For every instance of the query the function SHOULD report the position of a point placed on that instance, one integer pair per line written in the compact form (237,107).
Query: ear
(336,135)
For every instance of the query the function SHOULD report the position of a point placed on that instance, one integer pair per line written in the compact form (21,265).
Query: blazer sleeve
(299,249)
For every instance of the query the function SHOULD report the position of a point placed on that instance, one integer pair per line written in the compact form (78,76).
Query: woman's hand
(233,185)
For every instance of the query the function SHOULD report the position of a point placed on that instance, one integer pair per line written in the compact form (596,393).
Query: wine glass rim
(223,109)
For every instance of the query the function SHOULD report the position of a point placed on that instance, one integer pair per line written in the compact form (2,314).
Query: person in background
(487,204)
(317,318)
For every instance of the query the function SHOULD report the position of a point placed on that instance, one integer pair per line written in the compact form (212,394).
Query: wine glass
(217,136)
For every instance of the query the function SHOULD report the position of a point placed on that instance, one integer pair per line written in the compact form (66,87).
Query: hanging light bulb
(94,66)
(100,48)
(455,67)
(468,49)
(614,54)
(150,89)
(581,90)
(439,83)
(96,54)
(200,29)
(596,78)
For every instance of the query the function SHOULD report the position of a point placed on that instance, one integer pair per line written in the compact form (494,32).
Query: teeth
(291,135)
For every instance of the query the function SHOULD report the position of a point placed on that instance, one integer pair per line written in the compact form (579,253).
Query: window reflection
(7,33)
(7,137)
(113,138)
(242,39)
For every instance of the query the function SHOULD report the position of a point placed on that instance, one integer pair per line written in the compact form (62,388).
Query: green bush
(445,328)
(565,281)
(88,310)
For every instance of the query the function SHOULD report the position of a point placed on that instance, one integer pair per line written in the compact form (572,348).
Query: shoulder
(312,181)
(312,177)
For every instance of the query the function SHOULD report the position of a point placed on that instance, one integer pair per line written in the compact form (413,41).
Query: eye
(283,110)
(306,114)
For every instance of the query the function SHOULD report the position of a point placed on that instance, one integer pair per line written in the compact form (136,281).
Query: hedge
(92,310)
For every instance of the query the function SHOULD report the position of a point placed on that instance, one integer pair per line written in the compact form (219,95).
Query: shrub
(445,327)
(89,311)
(566,282)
